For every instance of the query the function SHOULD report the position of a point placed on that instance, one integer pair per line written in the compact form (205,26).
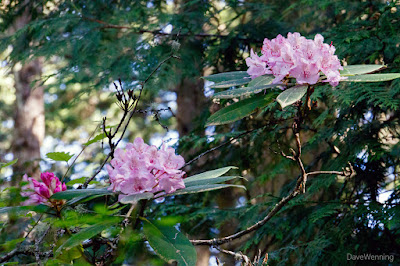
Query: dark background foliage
(86,45)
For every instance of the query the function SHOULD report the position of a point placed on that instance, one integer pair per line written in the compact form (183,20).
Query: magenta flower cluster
(297,57)
(144,168)
(40,192)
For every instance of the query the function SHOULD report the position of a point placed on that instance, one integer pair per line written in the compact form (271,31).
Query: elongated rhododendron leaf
(230,83)
(373,77)
(170,244)
(72,193)
(136,197)
(352,70)
(291,95)
(81,236)
(239,110)
(261,80)
(227,76)
(209,174)
(209,181)
(202,188)
(246,91)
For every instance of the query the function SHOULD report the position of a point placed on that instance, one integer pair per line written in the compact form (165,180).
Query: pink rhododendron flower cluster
(144,168)
(297,57)
(40,192)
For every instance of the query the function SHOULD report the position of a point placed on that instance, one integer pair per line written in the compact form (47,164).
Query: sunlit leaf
(359,69)
(291,95)
(136,197)
(95,139)
(210,174)
(261,80)
(372,77)
(2,165)
(230,83)
(59,156)
(209,181)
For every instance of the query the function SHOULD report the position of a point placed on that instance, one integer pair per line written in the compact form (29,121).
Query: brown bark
(29,124)
(190,100)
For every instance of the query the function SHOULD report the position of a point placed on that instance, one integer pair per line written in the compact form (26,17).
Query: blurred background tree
(79,48)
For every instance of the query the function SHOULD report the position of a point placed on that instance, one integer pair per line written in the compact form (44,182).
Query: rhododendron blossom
(40,192)
(297,57)
(144,168)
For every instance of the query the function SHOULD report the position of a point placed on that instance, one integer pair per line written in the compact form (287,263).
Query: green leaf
(59,156)
(201,188)
(291,95)
(359,69)
(81,180)
(209,174)
(11,244)
(230,83)
(95,139)
(73,193)
(372,77)
(81,236)
(227,76)
(24,209)
(136,197)
(170,244)
(246,91)
(239,110)
(210,181)
(2,165)
(82,199)
(261,80)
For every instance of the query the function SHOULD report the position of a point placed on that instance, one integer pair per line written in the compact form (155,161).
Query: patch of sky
(8,123)
(209,132)
(6,173)
(49,97)
(167,29)
(383,193)
(241,202)
(169,139)
(208,92)
(368,117)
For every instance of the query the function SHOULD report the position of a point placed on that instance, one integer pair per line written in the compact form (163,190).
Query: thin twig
(236,255)
(256,226)
(326,173)
(160,32)
(73,162)
(134,110)
(221,145)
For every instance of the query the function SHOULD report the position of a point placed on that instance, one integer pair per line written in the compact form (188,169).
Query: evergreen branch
(219,146)
(106,25)
(300,188)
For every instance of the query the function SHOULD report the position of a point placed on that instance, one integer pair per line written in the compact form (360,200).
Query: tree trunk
(29,126)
